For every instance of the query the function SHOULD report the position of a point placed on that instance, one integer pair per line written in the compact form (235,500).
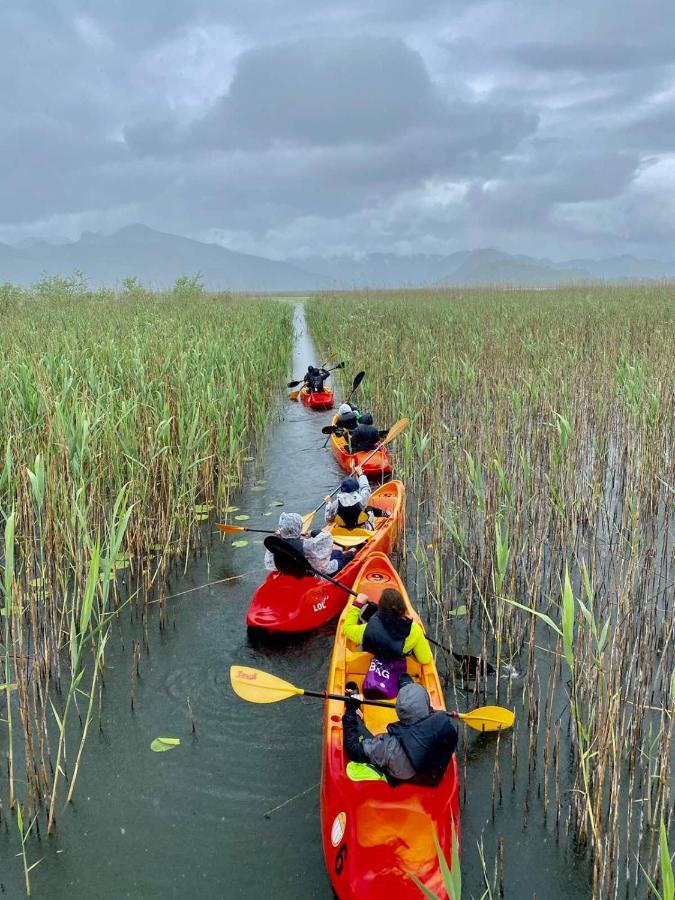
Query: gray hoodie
(385,750)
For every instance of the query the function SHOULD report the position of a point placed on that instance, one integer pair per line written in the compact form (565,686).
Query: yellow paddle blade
(294,395)
(488,718)
(307,521)
(230,529)
(395,430)
(349,540)
(261,687)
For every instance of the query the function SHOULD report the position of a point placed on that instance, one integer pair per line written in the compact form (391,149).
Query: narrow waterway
(202,820)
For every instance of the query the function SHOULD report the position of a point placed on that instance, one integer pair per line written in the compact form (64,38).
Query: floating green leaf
(203,507)
(231,509)
(240,543)
(277,503)
(258,487)
(242,518)
(459,611)
(161,744)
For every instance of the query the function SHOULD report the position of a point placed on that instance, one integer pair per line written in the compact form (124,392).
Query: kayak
(374,834)
(289,605)
(321,400)
(378,466)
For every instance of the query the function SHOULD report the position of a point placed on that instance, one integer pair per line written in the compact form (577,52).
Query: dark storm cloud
(364,123)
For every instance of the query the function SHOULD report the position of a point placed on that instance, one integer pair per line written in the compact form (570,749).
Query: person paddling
(348,509)
(418,748)
(385,630)
(347,418)
(318,550)
(315,378)
(365,436)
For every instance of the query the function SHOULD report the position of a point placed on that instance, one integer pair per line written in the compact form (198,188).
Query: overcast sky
(296,127)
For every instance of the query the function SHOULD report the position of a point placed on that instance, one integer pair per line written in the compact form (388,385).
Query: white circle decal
(338,829)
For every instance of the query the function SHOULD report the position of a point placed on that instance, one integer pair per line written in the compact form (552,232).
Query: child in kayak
(385,630)
(347,419)
(317,549)
(348,509)
(418,747)
(365,437)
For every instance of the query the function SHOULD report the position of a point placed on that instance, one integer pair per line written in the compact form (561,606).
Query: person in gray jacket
(417,748)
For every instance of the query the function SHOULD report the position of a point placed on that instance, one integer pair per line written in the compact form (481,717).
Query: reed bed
(541,456)
(124,419)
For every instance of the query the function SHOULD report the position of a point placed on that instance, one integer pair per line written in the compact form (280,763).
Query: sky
(294,128)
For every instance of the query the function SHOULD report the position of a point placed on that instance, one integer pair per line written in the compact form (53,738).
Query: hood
(318,548)
(366,419)
(412,704)
(349,485)
(290,525)
(343,409)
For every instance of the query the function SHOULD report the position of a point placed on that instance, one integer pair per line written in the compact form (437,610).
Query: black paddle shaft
(324,696)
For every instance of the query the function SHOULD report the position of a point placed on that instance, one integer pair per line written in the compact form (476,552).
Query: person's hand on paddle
(358,471)
(327,499)
(361,600)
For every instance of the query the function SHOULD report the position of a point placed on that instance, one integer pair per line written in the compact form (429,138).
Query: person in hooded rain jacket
(365,436)
(348,509)
(315,378)
(318,549)
(417,748)
(347,418)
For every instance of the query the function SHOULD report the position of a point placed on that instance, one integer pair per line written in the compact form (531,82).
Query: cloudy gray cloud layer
(294,127)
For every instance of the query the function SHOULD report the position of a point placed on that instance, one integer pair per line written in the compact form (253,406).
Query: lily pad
(268,514)
(201,517)
(258,487)
(231,509)
(242,518)
(460,611)
(261,481)
(203,507)
(162,744)
(239,543)
(277,503)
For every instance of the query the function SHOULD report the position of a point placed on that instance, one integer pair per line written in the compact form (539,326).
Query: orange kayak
(320,400)
(374,834)
(286,604)
(378,466)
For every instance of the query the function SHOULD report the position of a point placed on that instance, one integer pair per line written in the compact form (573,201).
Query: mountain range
(157,259)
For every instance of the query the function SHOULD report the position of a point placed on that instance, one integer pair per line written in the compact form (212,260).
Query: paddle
(334,369)
(234,529)
(393,433)
(471,664)
(257,686)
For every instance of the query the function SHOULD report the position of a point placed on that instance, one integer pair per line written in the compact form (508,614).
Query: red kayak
(320,400)
(378,466)
(291,605)
(374,835)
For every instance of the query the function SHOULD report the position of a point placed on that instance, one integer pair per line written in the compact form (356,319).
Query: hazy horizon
(284,130)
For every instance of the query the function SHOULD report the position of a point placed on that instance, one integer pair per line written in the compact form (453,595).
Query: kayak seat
(358,662)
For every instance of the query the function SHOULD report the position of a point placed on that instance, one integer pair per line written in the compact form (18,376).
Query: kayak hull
(373,834)
(378,466)
(319,401)
(283,604)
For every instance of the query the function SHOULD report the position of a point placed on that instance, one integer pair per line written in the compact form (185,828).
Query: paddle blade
(307,521)
(230,529)
(396,429)
(358,378)
(260,687)
(294,395)
(328,429)
(293,383)
(488,718)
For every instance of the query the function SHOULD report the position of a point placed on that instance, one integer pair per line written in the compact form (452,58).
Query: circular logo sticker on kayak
(338,829)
